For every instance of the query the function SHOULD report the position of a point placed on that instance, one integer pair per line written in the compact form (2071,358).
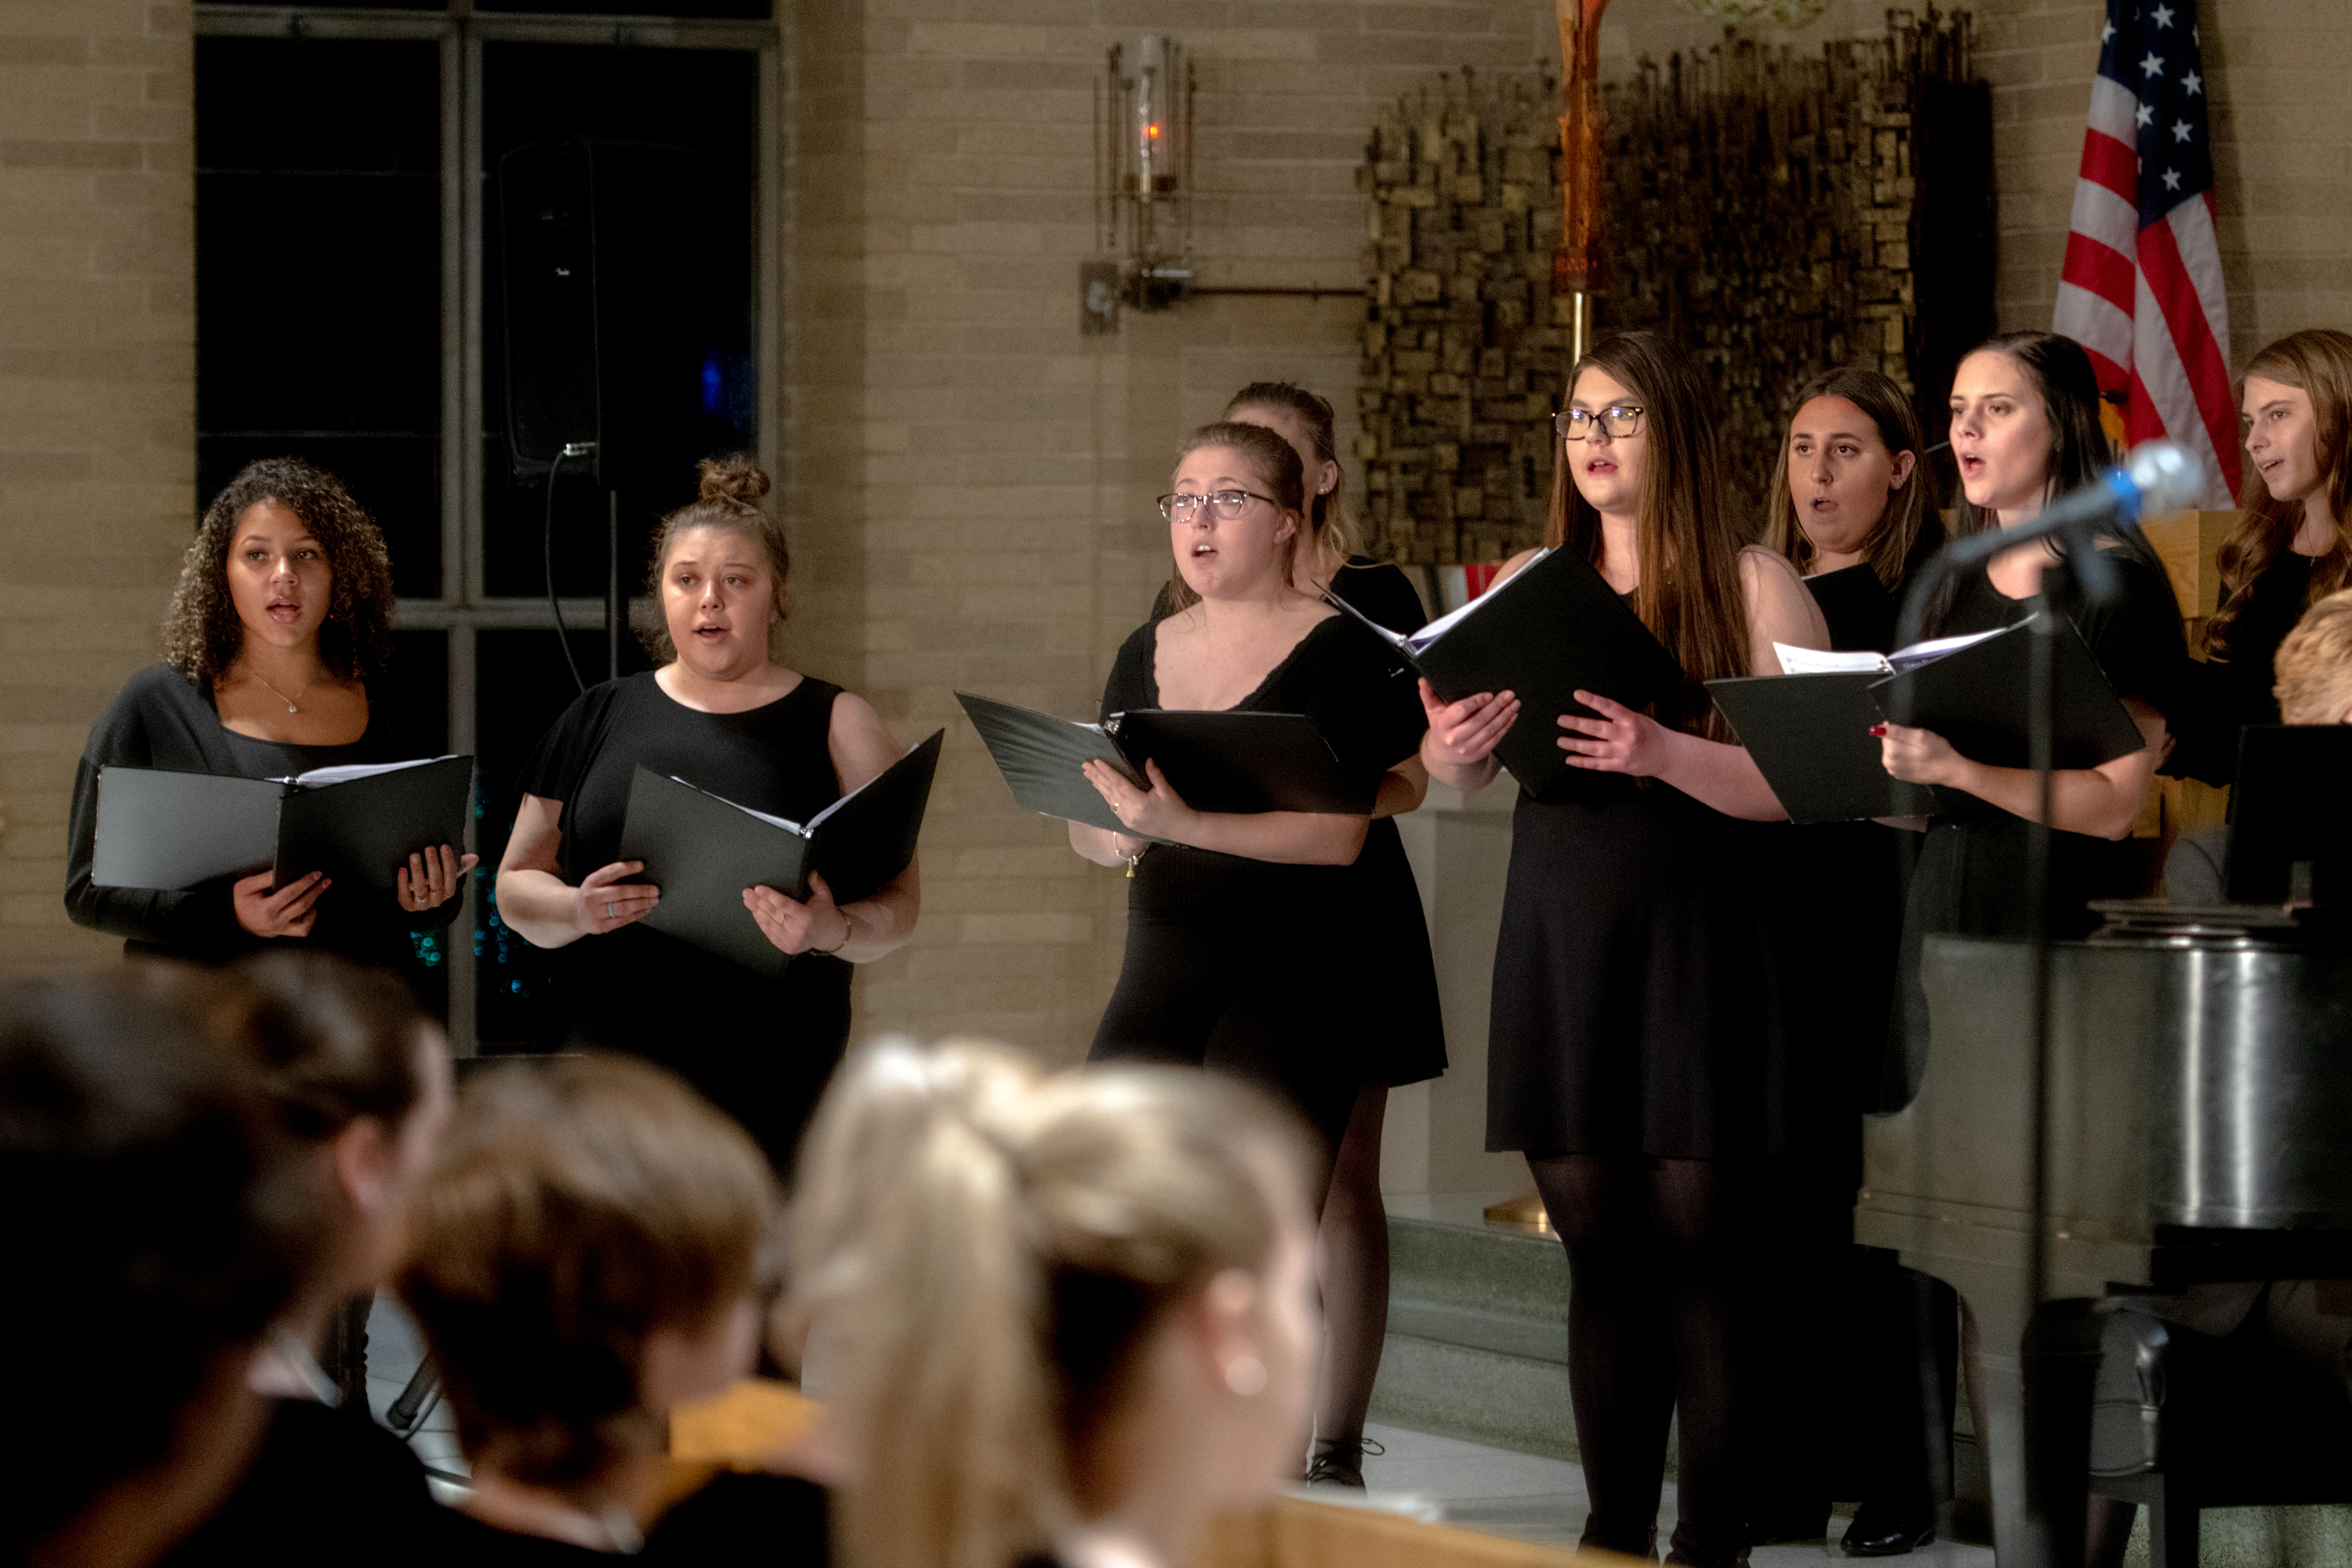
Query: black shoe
(1882,1530)
(1643,1550)
(1338,1462)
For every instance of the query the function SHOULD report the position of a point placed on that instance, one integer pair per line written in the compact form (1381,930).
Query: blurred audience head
(586,1252)
(154,1230)
(1069,1305)
(2314,664)
(358,1077)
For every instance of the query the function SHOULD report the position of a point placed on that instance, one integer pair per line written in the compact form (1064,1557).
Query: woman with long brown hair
(2025,429)
(1849,507)
(1634,1052)
(1850,490)
(275,650)
(2290,548)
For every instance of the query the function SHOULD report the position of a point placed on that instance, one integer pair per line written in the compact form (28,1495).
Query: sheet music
(344,772)
(1815,661)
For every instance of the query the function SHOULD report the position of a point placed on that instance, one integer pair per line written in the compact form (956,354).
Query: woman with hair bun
(721,714)
(281,626)
(2290,548)
(1080,1310)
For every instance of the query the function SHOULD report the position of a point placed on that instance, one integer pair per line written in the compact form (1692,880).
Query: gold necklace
(281,696)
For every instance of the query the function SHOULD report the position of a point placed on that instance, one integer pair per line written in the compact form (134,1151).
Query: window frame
(463,606)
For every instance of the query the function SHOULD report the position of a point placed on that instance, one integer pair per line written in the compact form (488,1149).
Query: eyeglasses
(1225,504)
(1617,421)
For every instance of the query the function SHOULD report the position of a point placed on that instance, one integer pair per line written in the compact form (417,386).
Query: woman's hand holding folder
(432,879)
(817,926)
(1459,745)
(1284,837)
(291,910)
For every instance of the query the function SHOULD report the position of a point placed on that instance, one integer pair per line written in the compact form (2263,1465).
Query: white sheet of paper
(318,778)
(1815,661)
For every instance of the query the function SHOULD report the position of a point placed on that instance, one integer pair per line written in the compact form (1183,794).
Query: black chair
(2181,1421)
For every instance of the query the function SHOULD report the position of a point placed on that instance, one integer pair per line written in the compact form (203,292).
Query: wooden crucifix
(1578,257)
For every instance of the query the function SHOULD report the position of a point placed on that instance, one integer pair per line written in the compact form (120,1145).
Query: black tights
(1655,1260)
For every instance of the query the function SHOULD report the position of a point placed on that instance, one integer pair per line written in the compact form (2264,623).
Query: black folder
(1553,628)
(1217,761)
(1040,756)
(359,825)
(1975,696)
(703,851)
(2290,838)
(1810,734)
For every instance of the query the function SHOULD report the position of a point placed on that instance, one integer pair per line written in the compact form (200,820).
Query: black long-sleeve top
(161,719)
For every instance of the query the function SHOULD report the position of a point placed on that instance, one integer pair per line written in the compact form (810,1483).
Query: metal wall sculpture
(1777,216)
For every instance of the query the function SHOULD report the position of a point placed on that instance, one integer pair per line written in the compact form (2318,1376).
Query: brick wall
(2282,124)
(1008,464)
(97,405)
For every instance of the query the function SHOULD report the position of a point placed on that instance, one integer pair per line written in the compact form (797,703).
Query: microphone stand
(2060,1356)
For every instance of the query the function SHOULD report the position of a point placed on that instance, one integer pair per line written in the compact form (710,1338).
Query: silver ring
(608,911)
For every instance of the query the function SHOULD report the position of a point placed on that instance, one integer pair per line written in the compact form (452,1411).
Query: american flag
(2142,285)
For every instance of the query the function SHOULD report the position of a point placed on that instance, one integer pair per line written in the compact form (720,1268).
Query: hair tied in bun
(733,477)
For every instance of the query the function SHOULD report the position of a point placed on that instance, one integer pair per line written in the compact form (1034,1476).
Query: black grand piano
(2200,1128)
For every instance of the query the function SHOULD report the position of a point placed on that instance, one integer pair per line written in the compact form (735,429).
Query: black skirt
(1636,1010)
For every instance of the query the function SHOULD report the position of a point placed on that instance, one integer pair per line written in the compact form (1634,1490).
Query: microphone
(2159,476)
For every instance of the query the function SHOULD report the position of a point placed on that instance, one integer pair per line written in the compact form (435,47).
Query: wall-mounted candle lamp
(1143,185)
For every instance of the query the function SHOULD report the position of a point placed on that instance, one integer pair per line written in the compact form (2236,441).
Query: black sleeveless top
(759,1048)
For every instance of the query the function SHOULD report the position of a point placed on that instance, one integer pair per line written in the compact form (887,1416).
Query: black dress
(2222,696)
(326,1486)
(735,1522)
(162,720)
(1971,872)
(1636,1009)
(760,1050)
(1389,941)
(1246,966)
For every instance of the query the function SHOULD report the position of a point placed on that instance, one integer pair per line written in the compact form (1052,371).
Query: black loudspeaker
(603,345)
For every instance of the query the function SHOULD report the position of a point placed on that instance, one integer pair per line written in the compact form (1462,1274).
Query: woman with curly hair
(282,622)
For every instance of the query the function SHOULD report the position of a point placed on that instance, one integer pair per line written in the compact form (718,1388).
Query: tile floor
(1491,1491)
(1497,1493)
(395,1350)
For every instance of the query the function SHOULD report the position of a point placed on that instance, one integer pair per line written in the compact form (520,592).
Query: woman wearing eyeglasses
(1244,941)
(1386,939)
(1635,1051)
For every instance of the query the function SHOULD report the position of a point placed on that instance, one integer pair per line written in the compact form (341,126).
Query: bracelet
(848,930)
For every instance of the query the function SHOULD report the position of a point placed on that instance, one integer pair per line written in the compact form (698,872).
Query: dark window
(318,273)
(702,236)
(741,10)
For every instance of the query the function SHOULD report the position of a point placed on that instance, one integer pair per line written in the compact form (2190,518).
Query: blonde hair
(1275,462)
(726,499)
(577,1207)
(996,1247)
(2313,668)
